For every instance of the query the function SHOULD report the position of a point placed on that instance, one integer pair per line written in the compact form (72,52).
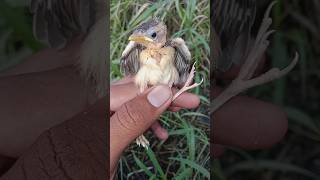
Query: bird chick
(154,60)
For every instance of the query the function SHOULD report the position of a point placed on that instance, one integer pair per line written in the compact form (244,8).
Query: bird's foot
(187,85)
(142,141)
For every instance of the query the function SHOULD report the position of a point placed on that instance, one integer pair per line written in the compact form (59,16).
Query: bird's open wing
(182,58)
(129,61)
(57,21)
(232,22)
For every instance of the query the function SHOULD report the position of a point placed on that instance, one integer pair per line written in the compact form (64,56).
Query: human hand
(133,114)
(74,149)
(245,122)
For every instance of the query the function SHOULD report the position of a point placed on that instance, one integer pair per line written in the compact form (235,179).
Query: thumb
(134,117)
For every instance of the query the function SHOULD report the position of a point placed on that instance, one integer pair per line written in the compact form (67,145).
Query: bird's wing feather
(232,21)
(129,61)
(57,21)
(182,58)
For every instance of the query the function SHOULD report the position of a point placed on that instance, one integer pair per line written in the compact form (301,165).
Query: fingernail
(159,95)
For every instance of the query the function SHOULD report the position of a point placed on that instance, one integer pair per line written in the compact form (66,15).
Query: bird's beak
(140,39)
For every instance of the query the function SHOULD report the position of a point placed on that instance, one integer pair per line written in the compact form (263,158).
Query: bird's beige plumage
(157,68)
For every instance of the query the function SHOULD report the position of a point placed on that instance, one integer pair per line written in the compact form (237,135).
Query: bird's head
(152,34)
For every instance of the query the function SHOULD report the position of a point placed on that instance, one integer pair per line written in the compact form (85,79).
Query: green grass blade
(195,166)
(142,166)
(155,163)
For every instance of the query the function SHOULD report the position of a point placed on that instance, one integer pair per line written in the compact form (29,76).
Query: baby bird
(154,60)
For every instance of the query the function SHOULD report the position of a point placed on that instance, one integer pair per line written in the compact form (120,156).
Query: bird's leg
(141,140)
(187,85)
(245,79)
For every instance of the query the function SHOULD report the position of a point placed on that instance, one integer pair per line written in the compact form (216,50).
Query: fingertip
(267,123)
(121,93)
(196,101)
(160,95)
(163,134)
(277,125)
(187,100)
(159,131)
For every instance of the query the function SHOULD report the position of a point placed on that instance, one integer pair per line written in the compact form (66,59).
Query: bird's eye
(153,35)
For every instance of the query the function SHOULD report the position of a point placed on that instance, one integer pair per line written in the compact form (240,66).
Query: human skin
(246,122)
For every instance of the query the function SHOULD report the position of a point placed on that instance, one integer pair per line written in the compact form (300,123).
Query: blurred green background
(297,156)
(185,155)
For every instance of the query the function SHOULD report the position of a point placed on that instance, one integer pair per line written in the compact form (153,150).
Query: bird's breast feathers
(157,66)
(160,57)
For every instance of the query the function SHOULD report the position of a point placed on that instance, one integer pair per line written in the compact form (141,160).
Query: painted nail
(159,95)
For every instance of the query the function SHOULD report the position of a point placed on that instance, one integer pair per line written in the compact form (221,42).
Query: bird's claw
(142,141)
(187,85)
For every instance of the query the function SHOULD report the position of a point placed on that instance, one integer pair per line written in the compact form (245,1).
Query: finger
(159,131)
(249,123)
(135,116)
(186,100)
(121,93)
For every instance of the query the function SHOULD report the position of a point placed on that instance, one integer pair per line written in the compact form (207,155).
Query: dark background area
(16,43)
(297,156)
